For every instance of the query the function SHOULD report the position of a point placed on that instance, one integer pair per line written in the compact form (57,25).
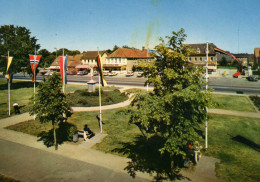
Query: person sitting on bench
(89,133)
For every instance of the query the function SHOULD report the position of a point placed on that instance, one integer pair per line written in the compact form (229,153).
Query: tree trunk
(54,136)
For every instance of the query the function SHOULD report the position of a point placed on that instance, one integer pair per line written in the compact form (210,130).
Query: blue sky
(232,25)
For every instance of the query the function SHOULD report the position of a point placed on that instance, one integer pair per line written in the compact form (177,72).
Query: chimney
(143,48)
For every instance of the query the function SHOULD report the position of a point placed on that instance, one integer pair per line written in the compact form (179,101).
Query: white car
(129,73)
(139,74)
(49,72)
(113,73)
(105,73)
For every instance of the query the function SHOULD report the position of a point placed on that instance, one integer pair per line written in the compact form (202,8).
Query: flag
(9,61)
(63,68)
(34,61)
(103,81)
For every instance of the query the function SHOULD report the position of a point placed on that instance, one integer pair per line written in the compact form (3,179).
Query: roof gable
(72,60)
(130,53)
(200,49)
(92,54)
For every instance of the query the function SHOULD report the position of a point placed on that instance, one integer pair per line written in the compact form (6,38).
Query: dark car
(252,78)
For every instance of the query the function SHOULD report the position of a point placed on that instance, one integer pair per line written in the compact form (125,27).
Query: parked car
(252,78)
(129,73)
(113,73)
(105,73)
(43,71)
(49,73)
(71,73)
(82,73)
(139,74)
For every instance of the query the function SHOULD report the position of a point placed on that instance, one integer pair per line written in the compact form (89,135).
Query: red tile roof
(72,60)
(130,53)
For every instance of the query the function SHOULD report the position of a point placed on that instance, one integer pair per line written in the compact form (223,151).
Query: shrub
(66,131)
(85,98)
(256,101)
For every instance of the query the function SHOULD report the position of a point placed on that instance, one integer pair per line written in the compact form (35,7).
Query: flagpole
(63,87)
(206,122)
(9,100)
(34,80)
(99,93)
(147,75)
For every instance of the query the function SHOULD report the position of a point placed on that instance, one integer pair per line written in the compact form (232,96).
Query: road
(219,84)
(29,164)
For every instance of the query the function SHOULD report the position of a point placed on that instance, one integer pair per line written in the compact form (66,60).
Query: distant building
(244,58)
(123,59)
(257,56)
(73,61)
(88,60)
(199,56)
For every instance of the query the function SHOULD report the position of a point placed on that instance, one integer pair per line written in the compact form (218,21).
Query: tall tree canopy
(177,105)
(19,42)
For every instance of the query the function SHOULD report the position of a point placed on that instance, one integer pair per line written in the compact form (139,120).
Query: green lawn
(115,124)
(232,102)
(20,92)
(236,142)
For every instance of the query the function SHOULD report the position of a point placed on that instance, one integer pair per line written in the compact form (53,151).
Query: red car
(71,73)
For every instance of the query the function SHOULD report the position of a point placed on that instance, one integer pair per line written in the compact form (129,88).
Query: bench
(85,134)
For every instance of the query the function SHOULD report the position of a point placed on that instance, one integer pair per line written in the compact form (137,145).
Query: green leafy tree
(51,104)
(223,61)
(44,59)
(174,110)
(19,42)
(66,52)
(109,51)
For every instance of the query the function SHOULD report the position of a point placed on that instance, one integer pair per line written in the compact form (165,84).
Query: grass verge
(20,92)
(236,142)
(231,102)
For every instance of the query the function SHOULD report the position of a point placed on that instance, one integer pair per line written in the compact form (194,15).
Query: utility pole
(206,122)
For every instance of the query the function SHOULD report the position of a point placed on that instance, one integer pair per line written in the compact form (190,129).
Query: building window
(195,59)
(198,50)
(211,58)
(190,59)
(200,59)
